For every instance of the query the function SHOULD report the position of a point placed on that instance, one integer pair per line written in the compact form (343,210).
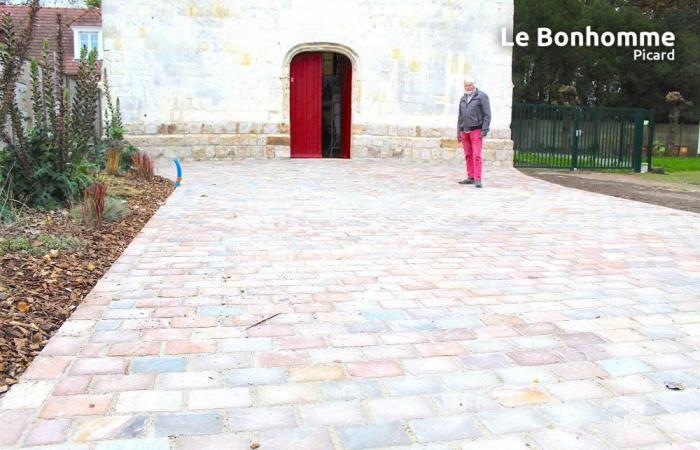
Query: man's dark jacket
(475,113)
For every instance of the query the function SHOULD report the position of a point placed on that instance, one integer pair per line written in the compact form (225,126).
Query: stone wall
(210,78)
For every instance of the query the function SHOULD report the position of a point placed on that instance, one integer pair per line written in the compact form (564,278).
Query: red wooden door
(346,105)
(306,80)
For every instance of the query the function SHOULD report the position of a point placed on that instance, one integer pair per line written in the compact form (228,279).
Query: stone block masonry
(239,140)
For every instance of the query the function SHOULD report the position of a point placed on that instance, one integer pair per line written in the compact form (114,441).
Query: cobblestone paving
(412,312)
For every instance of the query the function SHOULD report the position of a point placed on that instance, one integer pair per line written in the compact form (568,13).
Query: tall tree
(609,76)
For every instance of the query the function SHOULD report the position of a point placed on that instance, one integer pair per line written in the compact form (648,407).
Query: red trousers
(472,142)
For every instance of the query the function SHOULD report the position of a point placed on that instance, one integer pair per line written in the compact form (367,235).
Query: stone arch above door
(321,47)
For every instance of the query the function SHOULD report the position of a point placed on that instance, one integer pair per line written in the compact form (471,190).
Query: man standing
(472,126)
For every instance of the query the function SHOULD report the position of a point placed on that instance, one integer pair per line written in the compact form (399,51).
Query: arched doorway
(320,105)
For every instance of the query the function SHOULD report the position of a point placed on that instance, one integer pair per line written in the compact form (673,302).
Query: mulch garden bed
(622,186)
(49,263)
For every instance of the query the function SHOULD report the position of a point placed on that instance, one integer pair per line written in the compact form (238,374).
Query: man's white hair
(469,80)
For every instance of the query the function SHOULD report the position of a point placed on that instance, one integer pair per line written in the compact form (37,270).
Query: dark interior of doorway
(332,104)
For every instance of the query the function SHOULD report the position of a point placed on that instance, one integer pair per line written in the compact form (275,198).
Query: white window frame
(76,39)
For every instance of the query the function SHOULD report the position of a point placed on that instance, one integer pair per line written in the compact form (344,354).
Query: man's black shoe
(467,181)
(478,183)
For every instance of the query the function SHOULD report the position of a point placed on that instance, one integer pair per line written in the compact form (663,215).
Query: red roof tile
(45,29)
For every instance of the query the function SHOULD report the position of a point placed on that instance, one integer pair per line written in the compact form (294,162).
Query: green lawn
(676,164)
(563,160)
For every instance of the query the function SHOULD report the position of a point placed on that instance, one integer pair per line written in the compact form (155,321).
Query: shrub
(127,153)
(93,207)
(7,213)
(143,166)
(52,160)
(114,131)
(115,209)
(113,161)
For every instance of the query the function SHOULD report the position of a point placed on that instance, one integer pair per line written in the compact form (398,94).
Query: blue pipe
(179,172)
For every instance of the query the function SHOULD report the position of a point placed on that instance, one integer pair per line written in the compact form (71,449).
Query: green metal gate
(562,136)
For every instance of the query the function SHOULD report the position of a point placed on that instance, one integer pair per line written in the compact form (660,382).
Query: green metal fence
(559,136)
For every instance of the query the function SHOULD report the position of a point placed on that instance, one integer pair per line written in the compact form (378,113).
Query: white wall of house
(187,63)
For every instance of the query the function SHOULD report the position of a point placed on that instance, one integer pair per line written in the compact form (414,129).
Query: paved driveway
(406,311)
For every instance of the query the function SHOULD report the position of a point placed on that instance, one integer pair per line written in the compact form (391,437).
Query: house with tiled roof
(82,27)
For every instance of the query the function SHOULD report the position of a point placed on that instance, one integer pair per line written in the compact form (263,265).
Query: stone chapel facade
(225,79)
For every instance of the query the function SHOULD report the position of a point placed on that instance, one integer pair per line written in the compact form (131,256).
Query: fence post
(574,146)
(638,138)
(650,139)
(621,147)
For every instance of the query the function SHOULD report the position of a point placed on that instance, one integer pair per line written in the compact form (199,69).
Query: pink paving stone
(297,342)
(111,337)
(312,307)
(520,397)
(88,312)
(486,361)
(321,372)
(578,390)
(215,333)
(337,355)
(134,349)
(177,293)
(118,383)
(629,433)
(13,424)
(213,442)
(495,331)
(185,347)
(92,349)
(587,353)
(501,319)
(167,334)
(419,286)
(404,337)
(46,367)
(63,346)
(219,398)
(157,302)
(534,329)
(352,340)
(73,385)
(374,369)
(391,409)
(535,357)
(271,330)
(577,370)
(94,366)
(219,361)
(434,364)
(287,394)
(193,322)
(385,352)
(76,405)
(333,413)
(580,339)
(629,384)
(49,431)
(279,359)
(190,380)
(440,349)
(145,324)
(332,297)
(176,311)
(455,334)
